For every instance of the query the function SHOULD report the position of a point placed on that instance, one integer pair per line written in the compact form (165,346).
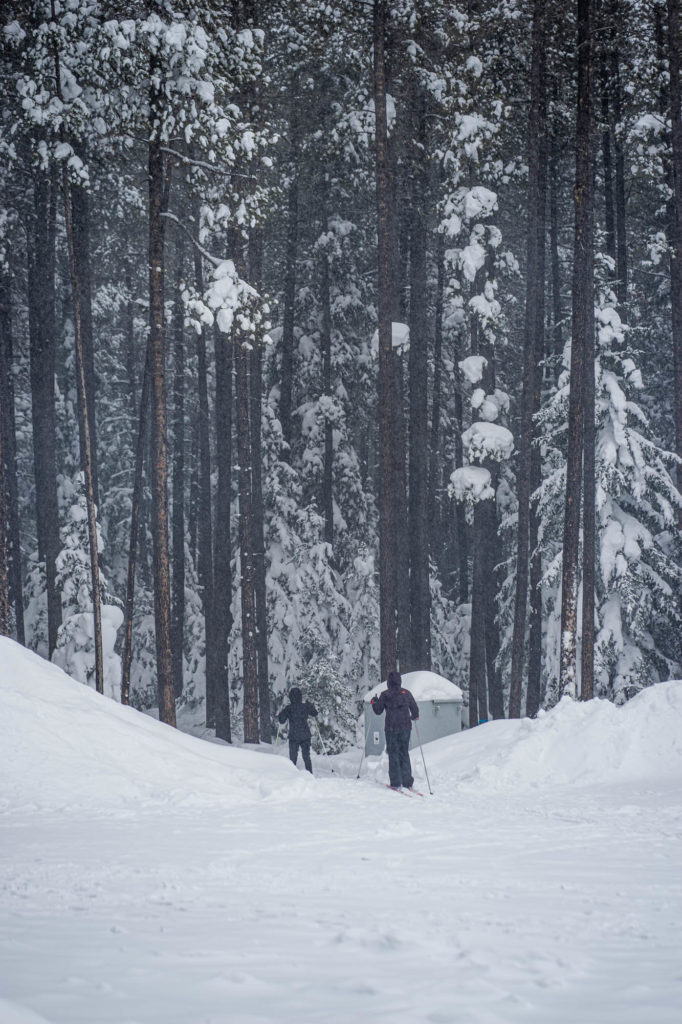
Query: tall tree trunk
(533,690)
(554,183)
(287,370)
(42,336)
(178,581)
(478,700)
(418,517)
(587,649)
(247,588)
(616,19)
(80,206)
(460,513)
(136,503)
(435,454)
(5,603)
(386,382)
(84,404)
(582,328)
(222,553)
(607,158)
(676,222)
(327,501)
(215,677)
(256,413)
(159,467)
(531,347)
(10,453)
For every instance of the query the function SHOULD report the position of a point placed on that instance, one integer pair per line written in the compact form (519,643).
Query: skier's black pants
(305,750)
(397,747)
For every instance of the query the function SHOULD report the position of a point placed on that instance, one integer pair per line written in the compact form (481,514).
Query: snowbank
(574,744)
(66,747)
(423,686)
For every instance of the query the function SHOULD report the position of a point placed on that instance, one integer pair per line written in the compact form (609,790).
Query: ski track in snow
(340,903)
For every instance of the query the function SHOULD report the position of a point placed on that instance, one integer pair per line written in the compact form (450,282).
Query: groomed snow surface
(150,877)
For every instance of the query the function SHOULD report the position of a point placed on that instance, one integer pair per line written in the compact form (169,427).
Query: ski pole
(423,761)
(362,759)
(324,748)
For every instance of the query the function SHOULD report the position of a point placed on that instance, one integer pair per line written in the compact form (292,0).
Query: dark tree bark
(136,503)
(531,347)
(215,678)
(607,158)
(80,206)
(554,185)
(42,336)
(386,383)
(159,467)
(533,690)
(256,412)
(460,514)
(616,19)
(5,603)
(587,648)
(676,221)
(222,566)
(582,328)
(247,588)
(478,697)
(85,402)
(178,580)
(435,453)
(418,517)
(327,499)
(10,455)
(289,299)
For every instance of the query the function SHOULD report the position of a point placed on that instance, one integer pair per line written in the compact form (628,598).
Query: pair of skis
(403,791)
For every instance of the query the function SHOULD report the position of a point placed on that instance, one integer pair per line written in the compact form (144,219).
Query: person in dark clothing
(401,710)
(297,713)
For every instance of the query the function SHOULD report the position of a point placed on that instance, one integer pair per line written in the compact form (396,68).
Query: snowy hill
(67,747)
(150,876)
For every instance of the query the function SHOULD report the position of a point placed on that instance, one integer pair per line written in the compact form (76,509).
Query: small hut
(440,710)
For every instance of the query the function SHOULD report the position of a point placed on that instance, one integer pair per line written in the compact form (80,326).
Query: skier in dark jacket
(297,713)
(401,710)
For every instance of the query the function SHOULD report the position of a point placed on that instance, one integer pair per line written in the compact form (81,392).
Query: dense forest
(337,337)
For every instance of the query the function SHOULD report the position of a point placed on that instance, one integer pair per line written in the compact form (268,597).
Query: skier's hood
(394,679)
(295,695)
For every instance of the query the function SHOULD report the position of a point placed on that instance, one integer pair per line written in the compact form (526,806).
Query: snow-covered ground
(149,877)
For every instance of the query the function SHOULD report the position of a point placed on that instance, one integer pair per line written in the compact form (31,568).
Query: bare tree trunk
(10,454)
(159,468)
(42,335)
(582,328)
(178,580)
(533,691)
(418,517)
(80,206)
(327,501)
(222,554)
(215,677)
(136,502)
(435,454)
(533,326)
(587,649)
(617,16)
(5,603)
(676,222)
(557,313)
(248,597)
(386,383)
(478,700)
(86,439)
(287,371)
(256,412)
